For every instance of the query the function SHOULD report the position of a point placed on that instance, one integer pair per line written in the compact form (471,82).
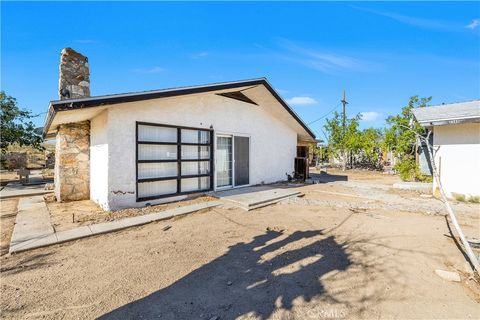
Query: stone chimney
(74,80)
(72,150)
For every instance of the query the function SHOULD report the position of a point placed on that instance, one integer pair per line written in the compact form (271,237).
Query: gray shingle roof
(448,112)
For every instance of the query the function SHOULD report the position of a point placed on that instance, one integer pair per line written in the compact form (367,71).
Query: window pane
(195,152)
(224,162)
(195,136)
(157,170)
(193,184)
(156,188)
(156,152)
(157,134)
(199,167)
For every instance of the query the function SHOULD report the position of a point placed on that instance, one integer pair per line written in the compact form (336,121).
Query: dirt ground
(7,177)
(69,215)
(348,249)
(8,213)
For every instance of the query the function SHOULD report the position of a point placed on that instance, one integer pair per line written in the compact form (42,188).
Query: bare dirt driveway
(348,249)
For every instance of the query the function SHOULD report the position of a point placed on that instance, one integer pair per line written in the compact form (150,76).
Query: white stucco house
(456,141)
(161,145)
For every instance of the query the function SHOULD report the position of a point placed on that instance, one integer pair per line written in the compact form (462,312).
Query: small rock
(276,229)
(50,197)
(214,318)
(166,228)
(49,186)
(229,283)
(448,275)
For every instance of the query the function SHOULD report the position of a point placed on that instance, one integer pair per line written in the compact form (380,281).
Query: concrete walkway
(17,189)
(33,228)
(250,198)
(32,224)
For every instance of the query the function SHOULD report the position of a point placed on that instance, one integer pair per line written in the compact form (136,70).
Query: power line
(39,114)
(325,114)
(322,132)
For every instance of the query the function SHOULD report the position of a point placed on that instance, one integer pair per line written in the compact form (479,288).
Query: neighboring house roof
(99,101)
(452,113)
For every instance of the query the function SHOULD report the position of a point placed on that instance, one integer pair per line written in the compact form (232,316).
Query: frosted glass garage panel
(195,184)
(156,188)
(197,167)
(195,152)
(195,136)
(157,134)
(157,152)
(157,170)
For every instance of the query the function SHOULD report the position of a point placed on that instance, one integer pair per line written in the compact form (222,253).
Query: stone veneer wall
(74,80)
(72,162)
(72,150)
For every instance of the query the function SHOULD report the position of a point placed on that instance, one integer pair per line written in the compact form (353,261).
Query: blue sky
(380,53)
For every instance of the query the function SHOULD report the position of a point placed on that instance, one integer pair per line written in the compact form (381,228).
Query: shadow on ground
(324,177)
(29,262)
(250,279)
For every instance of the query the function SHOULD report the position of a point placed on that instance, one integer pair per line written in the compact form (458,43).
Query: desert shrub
(459,196)
(474,199)
(406,168)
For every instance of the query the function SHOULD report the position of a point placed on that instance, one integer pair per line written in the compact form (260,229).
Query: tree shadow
(249,279)
(30,262)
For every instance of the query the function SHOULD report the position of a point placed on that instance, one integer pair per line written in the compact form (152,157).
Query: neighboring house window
(172,160)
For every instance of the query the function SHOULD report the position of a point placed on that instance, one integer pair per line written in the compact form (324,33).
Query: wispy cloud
(473,25)
(409,20)
(155,69)
(370,115)
(199,55)
(85,41)
(301,101)
(325,61)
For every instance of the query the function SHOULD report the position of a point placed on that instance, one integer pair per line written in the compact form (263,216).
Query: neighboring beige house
(456,142)
(127,150)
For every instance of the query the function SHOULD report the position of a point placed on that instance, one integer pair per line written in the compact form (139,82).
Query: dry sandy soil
(8,213)
(8,176)
(69,215)
(348,249)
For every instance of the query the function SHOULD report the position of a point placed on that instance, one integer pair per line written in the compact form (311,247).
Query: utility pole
(344,102)
(344,154)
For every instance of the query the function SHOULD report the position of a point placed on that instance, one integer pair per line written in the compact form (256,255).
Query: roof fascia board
(64,105)
(443,122)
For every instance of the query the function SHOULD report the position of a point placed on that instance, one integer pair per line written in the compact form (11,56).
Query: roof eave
(48,120)
(443,122)
(72,104)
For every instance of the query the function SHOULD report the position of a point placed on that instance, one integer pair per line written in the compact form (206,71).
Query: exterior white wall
(99,160)
(272,142)
(458,158)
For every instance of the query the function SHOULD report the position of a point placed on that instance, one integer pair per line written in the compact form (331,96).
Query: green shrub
(459,197)
(423,177)
(408,170)
(474,199)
